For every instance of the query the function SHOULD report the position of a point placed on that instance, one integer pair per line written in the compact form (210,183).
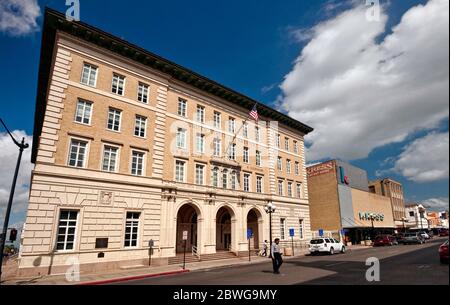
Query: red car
(443,232)
(443,252)
(385,240)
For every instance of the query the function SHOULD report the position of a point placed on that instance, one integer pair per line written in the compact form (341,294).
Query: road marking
(335,264)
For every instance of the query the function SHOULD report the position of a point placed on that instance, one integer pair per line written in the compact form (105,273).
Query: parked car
(443,232)
(326,245)
(443,252)
(399,237)
(424,234)
(385,240)
(413,238)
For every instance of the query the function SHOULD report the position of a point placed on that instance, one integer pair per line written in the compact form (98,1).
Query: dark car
(399,237)
(443,232)
(385,240)
(443,252)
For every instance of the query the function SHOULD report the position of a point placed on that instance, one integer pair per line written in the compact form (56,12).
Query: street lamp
(21,146)
(270,208)
(403,221)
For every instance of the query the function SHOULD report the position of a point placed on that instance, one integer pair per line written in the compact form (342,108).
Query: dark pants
(277,261)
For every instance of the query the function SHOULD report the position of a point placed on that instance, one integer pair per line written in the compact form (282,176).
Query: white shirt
(275,248)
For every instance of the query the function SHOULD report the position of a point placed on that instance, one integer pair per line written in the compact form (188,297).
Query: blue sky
(252,46)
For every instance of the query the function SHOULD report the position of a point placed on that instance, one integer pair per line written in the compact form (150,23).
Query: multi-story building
(416,216)
(130,148)
(394,190)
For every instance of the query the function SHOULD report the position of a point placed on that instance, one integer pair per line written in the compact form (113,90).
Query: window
(67,227)
(245,156)
(217,147)
(181,138)
(411,214)
(217,119)
(246,182)
(297,168)
(258,158)
(245,130)
(257,135)
(140,126)
(279,164)
(301,229)
(233,180)
(278,140)
(109,158)
(282,228)
(131,229)
(215,177)
(232,125)
(259,184)
(89,75)
(289,189)
(77,153)
(286,144)
(114,117)
(200,143)
(143,93)
(288,166)
(299,190)
(232,152)
(280,187)
(200,174)
(118,84)
(295,147)
(83,112)
(179,170)
(182,106)
(225,179)
(137,163)
(200,114)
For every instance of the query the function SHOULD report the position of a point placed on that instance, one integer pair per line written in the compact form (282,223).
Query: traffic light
(13,235)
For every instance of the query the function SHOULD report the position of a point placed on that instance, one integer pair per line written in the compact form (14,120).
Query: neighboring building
(129,147)
(438,219)
(416,216)
(393,190)
(340,202)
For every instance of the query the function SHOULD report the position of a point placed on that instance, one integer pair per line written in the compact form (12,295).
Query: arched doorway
(224,229)
(186,221)
(254,222)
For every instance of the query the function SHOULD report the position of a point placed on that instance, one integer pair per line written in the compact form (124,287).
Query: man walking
(265,248)
(275,253)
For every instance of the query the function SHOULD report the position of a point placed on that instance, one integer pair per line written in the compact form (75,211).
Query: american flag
(254,113)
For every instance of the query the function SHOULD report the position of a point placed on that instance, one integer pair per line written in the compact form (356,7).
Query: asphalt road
(403,264)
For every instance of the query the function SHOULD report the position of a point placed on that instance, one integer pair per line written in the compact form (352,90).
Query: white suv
(326,244)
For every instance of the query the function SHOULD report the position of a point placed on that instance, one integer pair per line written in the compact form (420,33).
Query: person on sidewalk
(275,253)
(265,248)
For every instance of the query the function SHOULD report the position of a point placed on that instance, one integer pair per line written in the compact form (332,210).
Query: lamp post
(404,227)
(22,145)
(270,208)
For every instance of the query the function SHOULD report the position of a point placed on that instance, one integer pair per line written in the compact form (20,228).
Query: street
(402,264)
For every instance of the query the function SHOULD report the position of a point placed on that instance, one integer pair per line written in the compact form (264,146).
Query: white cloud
(436,204)
(359,93)
(18,17)
(425,159)
(8,160)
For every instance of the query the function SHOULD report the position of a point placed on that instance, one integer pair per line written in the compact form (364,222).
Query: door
(227,241)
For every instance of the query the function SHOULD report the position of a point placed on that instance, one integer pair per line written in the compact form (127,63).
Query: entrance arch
(254,222)
(187,220)
(224,229)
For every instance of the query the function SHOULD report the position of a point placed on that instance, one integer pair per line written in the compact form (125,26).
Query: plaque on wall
(106,198)
(101,243)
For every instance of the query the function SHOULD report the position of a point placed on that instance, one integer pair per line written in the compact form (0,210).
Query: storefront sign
(370,216)
(320,169)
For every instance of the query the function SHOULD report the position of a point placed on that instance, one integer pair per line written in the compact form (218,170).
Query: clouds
(18,17)
(8,160)
(360,90)
(436,204)
(425,159)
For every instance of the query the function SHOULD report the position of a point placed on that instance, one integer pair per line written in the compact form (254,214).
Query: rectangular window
(110,158)
(282,228)
(301,229)
(233,180)
(118,84)
(278,139)
(279,164)
(232,125)
(232,152)
(299,190)
(67,226)
(295,147)
(143,93)
(289,189)
(215,177)
(280,187)
(245,130)
(77,153)
(199,174)
(181,138)
(182,107)
(246,183)
(114,117)
(89,75)
(258,158)
(180,171)
(137,163)
(286,144)
(217,119)
(200,114)
(217,143)
(84,112)
(259,184)
(297,168)
(131,229)
(200,143)
(225,179)
(245,155)
(140,126)
(288,166)
(257,135)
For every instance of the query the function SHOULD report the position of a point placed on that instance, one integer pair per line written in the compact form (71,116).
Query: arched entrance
(254,222)
(186,221)
(224,229)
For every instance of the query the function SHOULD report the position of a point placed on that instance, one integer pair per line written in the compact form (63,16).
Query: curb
(131,278)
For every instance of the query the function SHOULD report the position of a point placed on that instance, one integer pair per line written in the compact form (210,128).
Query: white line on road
(335,264)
